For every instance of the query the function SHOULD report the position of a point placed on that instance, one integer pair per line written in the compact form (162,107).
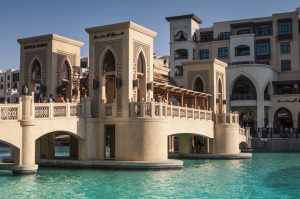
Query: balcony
(237,97)
(285,36)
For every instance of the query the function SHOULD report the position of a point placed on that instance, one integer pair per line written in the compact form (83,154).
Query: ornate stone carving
(137,47)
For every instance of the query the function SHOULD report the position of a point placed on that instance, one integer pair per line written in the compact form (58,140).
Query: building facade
(263,57)
(9,85)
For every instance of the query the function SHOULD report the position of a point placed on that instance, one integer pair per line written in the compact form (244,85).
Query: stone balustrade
(227,118)
(57,110)
(10,112)
(160,109)
(13,112)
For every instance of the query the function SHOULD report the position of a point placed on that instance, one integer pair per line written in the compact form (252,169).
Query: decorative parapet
(13,112)
(227,118)
(245,132)
(159,109)
(57,110)
(10,112)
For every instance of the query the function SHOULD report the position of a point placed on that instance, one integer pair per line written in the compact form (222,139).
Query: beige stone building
(134,117)
(263,73)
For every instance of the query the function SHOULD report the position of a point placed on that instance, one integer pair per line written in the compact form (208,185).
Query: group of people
(60,99)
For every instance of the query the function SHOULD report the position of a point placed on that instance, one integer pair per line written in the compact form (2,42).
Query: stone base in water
(112,164)
(211,156)
(25,170)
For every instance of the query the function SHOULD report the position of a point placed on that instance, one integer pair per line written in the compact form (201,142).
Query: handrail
(160,109)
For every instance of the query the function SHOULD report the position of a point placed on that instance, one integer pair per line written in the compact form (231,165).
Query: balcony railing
(57,110)
(236,97)
(159,109)
(276,133)
(10,112)
(227,118)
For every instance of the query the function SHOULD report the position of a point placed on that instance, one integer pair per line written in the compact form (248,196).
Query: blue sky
(25,18)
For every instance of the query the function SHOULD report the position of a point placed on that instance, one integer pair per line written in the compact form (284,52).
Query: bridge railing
(10,112)
(57,110)
(227,118)
(159,109)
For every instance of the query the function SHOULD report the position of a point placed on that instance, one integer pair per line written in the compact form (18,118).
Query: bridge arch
(58,144)
(243,145)
(187,143)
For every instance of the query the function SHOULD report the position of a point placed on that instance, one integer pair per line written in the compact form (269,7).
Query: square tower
(50,65)
(183,38)
(121,67)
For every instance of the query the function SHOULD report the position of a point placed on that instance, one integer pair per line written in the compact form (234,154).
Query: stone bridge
(144,134)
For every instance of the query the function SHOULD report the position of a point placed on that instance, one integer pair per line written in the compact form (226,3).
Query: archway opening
(36,81)
(220,96)
(109,72)
(57,145)
(110,140)
(8,153)
(198,85)
(187,144)
(243,89)
(65,81)
(243,145)
(247,118)
(141,89)
(283,121)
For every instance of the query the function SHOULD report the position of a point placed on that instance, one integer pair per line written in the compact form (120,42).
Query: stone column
(27,162)
(260,111)
(185,144)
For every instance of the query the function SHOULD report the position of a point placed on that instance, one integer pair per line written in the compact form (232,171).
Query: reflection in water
(284,179)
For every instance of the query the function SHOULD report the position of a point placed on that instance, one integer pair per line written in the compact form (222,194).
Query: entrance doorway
(282,120)
(109,142)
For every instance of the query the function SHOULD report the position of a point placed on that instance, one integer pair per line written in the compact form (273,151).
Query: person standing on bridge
(61,99)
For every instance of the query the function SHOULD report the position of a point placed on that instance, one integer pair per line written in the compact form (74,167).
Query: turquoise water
(265,176)
(62,151)
(4,154)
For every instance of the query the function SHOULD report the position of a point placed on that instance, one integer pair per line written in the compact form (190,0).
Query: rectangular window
(223,53)
(2,79)
(285,47)
(263,48)
(224,35)
(8,77)
(8,85)
(285,65)
(204,54)
(1,86)
(285,28)
(16,77)
(264,30)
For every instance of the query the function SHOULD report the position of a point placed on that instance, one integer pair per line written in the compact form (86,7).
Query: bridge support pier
(27,159)
(185,144)
(227,138)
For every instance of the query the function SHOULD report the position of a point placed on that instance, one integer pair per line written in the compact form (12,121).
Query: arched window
(65,71)
(243,89)
(181,54)
(36,72)
(242,50)
(198,85)
(220,89)
(109,63)
(180,36)
(141,64)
